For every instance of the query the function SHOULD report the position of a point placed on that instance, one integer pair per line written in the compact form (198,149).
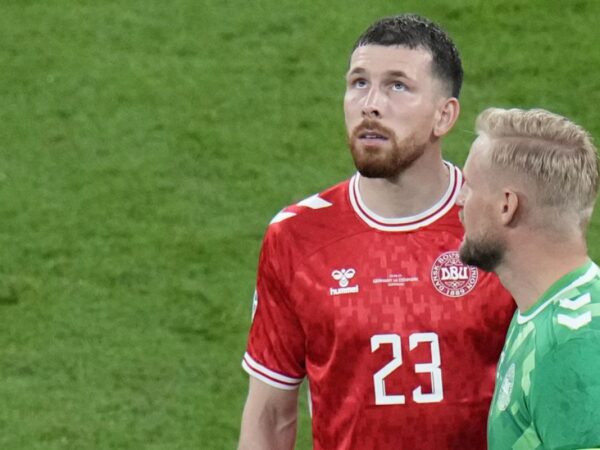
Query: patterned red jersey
(398,339)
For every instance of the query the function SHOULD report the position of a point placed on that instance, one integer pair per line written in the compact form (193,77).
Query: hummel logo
(343,276)
(574,323)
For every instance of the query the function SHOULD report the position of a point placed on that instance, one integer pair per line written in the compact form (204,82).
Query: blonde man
(531,180)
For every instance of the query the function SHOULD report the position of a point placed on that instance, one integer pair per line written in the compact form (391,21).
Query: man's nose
(372,106)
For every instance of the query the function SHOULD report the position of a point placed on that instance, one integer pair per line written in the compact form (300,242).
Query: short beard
(388,163)
(486,254)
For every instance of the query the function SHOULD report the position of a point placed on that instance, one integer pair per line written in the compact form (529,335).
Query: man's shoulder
(315,221)
(572,333)
(314,208)
(577,313)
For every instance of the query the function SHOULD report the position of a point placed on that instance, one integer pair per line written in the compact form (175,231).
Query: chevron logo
(576,303)
(574,323)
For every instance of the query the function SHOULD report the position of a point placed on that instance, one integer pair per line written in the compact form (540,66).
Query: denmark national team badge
(451,277)
(506,389)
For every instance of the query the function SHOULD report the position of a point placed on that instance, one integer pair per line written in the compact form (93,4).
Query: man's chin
(375,172)
(464,254)
(373,166)
(486,256)
(384,160)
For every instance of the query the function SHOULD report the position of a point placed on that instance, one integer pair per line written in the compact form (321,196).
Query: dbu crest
(451,277)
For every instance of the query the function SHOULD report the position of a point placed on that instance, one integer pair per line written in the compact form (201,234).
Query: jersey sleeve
(275,351)
(566,394)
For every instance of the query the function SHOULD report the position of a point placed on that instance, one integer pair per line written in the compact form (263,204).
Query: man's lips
(372,135)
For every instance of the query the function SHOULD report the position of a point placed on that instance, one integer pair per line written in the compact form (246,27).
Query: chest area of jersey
(396,308)
(388,280)
(510,404)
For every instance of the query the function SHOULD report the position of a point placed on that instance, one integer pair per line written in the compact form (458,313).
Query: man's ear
(510,206)
(446,116)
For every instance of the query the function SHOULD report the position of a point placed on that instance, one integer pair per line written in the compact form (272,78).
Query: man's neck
(417,189)
(537,265)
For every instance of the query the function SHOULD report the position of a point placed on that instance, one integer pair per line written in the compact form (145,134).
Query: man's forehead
(480,144)
(393,57)
(479,154)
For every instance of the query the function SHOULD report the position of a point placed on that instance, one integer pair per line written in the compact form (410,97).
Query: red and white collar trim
(412,222)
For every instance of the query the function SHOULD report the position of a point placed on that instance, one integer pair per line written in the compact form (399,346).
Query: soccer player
(531,180)
(360,288)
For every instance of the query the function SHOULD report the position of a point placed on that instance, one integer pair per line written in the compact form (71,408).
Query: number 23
(433,368)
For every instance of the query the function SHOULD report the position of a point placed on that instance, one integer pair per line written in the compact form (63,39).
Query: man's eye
(360,84)
(398,86)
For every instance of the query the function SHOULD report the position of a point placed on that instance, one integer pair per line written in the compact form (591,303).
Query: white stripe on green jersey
(547,392)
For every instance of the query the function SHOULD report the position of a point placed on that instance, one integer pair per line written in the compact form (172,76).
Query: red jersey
(398,339)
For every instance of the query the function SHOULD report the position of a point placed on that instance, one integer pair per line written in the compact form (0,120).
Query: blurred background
(145,145)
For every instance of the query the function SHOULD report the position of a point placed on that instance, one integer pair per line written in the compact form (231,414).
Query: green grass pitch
(146,144)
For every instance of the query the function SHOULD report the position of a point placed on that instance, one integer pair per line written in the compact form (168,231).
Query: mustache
(372,125)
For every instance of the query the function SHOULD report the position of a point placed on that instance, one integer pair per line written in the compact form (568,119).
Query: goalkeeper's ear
(510,207)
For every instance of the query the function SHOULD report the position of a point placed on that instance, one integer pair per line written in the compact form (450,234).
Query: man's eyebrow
(356,70)
(397,73)
(391,73)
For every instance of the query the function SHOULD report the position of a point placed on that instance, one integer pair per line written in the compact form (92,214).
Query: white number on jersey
(433,368)
(381,398)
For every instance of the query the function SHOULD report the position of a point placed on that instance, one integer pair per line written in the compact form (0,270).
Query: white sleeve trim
(270,377)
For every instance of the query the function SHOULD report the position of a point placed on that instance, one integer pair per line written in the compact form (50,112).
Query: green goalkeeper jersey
(547,392)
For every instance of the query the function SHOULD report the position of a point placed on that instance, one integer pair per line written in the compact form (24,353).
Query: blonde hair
(556,155)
